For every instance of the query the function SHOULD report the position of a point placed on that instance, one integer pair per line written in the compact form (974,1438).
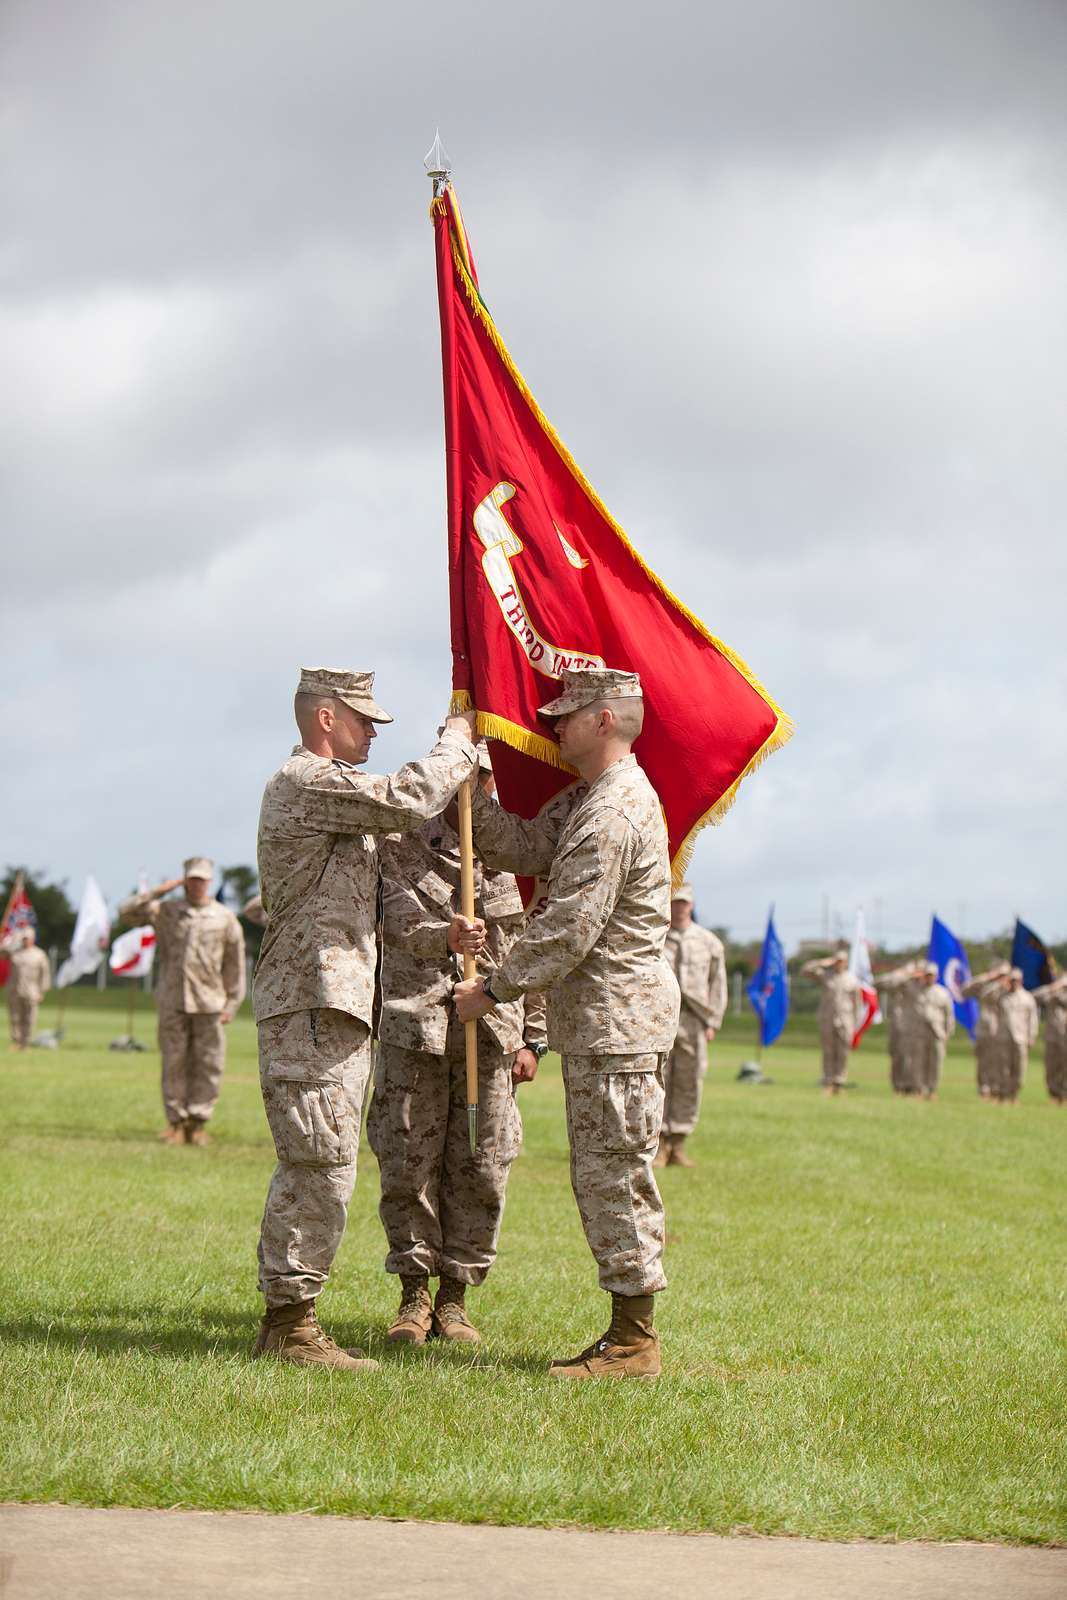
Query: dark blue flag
(769,989)
(1030,955)
(953,970)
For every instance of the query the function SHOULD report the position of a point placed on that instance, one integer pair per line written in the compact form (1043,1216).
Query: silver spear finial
(437,164)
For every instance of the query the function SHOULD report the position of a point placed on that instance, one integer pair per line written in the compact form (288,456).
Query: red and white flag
(18,916)
(541,577)
(133,952)
(859,964)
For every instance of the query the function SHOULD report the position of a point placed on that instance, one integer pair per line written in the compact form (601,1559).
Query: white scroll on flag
(132,953)
(859,964)
(91,933)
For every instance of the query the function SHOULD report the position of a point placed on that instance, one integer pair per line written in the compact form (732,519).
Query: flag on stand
(1031,955)
(132,953)
(91,933)
(18,915)
(768,989)
(859,964)
(953,970)
(541,578)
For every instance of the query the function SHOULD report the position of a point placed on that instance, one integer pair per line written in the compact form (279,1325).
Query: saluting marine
(1017,1032)
(1053,996)
(901,989)
(840,1014)
(313,992)
(597,951)
(698,960)
(987,988)
(441,1204)
(200,983)
(935,1021)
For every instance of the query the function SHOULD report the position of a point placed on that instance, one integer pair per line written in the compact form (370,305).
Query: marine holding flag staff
(597,949)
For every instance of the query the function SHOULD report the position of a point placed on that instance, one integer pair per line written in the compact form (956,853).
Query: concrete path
(69,1552)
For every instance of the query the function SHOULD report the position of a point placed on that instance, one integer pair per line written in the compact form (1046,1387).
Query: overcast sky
(790,280)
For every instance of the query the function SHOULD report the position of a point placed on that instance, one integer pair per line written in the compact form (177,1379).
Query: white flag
(132,953)
(91,933)
(859,964)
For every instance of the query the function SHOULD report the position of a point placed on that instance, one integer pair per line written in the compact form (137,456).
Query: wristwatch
(487,991)
(539,1050)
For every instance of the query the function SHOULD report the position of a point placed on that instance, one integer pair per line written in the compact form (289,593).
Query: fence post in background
(737,994)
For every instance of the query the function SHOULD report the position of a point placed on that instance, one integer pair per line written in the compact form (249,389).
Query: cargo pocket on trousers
(312,1124)
(632,1110)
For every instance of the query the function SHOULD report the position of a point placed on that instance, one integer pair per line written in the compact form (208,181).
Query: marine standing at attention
(698,960)
(441,1203)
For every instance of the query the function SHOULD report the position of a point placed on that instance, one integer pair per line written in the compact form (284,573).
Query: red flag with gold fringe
(542,578)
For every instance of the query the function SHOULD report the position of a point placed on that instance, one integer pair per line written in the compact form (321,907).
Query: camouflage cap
(1017,972)
(583,687)
(931,969)
(198,867)
(684,891)
(354,688)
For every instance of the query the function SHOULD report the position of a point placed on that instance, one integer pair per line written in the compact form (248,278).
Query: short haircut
(305,706)
(629,714)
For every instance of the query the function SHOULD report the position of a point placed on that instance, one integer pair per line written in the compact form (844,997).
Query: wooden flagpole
(470,965)
(438,170)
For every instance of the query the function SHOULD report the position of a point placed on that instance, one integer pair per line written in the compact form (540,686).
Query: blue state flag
(1030,954)
(953,970)
(769,989)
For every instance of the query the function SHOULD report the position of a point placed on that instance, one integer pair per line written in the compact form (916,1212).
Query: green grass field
(864,1334)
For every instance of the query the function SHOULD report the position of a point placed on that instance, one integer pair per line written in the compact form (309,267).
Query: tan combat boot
(450,1319)
(678,1157)
(414,1320)
(629,1349)
(173,1133)
(292,1333)
(662,1157)
(196,1133)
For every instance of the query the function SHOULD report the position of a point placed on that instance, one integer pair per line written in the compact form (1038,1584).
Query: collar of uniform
(334,761)
(615,770)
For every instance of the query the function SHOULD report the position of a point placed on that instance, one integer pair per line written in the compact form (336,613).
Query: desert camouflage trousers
(22,1016)
(836,1049)
(986,1064)
(614,1119)
(193,1047)
(441,1206)
(928,1055)
(313,1071)
(1055,1065)
(1011,1059)
(683,1075)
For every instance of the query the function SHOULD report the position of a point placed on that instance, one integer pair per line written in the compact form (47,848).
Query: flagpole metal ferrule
(472,1128)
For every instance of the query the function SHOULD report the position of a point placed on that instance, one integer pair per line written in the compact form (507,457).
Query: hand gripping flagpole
(438,169)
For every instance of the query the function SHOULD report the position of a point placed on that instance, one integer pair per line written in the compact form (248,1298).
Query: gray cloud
(789,281)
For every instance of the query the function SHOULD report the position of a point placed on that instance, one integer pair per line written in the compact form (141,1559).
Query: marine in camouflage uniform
(935,1022)
(698,960)
(313,993)
(441,1204)
(901,986)
(200,983)
(1053,996)
(987,988)
(597,951)
(1017,1032)
(840,1014)
(28,982)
